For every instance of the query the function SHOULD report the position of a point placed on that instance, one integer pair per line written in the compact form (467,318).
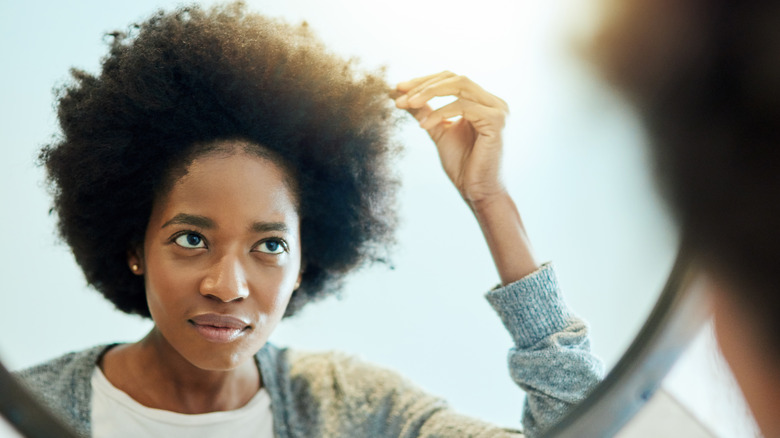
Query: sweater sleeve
(330,394)
(551,358)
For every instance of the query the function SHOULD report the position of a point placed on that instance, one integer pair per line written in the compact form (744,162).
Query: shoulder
(336,394)
(294,364)
(63,384)
(336,391)
(344,373)
(61,368)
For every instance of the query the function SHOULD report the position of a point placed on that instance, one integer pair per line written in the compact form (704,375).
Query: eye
(190,240)
(272,246)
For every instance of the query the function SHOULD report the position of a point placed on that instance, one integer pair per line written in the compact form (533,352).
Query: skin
(174,367)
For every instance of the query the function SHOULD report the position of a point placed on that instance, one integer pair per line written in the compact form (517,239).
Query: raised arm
(551,358)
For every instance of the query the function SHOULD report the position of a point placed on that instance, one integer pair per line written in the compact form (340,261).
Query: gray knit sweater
(334,395)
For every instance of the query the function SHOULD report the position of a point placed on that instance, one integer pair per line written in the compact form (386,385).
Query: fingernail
(422,122)
(402,101)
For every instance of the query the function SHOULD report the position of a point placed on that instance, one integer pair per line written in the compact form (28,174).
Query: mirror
(681,310)
(573,162)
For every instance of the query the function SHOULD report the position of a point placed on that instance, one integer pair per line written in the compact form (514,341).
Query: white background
(574,163)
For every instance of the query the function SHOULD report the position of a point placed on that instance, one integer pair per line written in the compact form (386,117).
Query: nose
(225,281)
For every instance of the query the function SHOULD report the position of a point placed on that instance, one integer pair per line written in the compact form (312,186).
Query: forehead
(233,186)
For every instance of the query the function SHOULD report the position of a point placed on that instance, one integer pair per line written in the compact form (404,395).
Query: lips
(219,328)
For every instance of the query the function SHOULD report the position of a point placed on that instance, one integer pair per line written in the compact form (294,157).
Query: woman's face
(221,258)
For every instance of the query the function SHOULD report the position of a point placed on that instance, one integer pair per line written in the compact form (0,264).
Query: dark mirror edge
(676,318)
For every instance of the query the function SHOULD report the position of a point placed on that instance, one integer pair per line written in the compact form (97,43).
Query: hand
(469,148)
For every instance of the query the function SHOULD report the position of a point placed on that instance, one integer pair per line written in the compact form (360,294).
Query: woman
(706,91)
(223,171)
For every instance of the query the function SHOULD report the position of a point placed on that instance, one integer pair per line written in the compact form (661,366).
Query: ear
(135,261)
(298,281)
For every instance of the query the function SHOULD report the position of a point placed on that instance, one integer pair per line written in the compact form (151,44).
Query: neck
(157,376)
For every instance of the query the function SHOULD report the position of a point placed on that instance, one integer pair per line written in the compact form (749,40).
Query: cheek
(274,284)
(273,287)
(292,277)
(167,287)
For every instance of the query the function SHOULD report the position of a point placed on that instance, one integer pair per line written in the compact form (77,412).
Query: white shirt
(116,414)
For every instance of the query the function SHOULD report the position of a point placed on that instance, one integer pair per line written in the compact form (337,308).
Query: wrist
(505,234)
(486,202)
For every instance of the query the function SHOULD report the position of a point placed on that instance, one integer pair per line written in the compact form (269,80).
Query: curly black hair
(705,76)
(197,76)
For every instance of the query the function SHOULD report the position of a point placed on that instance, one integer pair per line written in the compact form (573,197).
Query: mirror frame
(678,315)
(676,318)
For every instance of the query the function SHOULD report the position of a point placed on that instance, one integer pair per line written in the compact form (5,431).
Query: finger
(485,120)
(420,84)
(394,93)
(459,86)
(406,86)
(417,113)
(420,113)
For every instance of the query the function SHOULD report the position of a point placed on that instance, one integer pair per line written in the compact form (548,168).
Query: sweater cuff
(531,308)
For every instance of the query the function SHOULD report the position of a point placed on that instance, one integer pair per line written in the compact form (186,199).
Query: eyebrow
(264,227)
(190,219)
(204,222)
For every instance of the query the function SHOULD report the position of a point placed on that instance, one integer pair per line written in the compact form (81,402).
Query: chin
(222,361)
